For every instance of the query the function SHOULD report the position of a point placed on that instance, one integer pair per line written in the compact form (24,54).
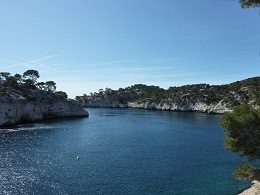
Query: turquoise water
(122,151)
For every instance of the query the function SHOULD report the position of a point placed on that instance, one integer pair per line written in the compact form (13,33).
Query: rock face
(217,108)
(188,106)
(35,105)
(253,190)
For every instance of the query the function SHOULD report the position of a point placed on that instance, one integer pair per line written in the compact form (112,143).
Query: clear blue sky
(85,45)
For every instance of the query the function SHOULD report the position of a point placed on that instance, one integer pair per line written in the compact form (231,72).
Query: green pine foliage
(244,172)
(249,3)
(242,127)
(24,82)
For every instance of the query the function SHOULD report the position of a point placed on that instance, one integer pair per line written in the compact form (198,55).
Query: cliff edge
(32,105)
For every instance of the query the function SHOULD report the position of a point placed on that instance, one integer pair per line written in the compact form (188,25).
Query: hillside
(197,97)
(22,99)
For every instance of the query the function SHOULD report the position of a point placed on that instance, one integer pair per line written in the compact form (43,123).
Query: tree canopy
(31,76)
(250,3)
(242,126)
(28,80)
(50,85)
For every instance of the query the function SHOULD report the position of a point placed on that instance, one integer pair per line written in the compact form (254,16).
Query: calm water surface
(122,151)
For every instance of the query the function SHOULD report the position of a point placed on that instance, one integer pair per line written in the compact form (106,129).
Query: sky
(87,45)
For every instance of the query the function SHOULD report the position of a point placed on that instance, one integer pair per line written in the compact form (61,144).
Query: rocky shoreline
(218,108)
(34,105)
(253,190)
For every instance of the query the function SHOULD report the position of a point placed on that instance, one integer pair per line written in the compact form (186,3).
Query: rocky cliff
(217,108)
(198,98)
(32,105)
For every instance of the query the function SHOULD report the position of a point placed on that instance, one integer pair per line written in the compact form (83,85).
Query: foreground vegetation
(249,3)
(242,126)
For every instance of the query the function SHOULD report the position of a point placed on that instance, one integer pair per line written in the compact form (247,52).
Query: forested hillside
(229,95)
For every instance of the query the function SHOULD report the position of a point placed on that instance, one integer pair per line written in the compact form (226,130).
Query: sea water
(121,151)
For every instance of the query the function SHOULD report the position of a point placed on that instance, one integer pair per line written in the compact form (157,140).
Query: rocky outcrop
(217,108)
(181,106)
(253,190)
(32,105)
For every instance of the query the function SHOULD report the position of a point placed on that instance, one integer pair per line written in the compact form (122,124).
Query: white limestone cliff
(253,190)
(36,105)
(198,106)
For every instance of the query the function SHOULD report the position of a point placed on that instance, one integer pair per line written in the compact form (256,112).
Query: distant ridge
(196,97)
